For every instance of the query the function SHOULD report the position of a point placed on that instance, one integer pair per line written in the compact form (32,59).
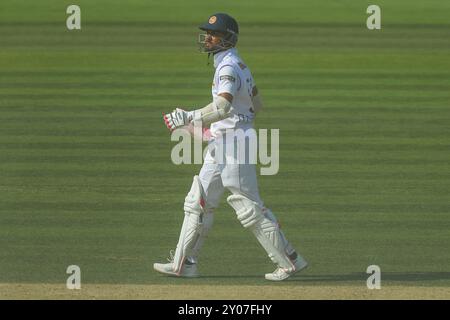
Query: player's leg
(199,204)
(242,182)
(213,189)
(193,216)
(298,261)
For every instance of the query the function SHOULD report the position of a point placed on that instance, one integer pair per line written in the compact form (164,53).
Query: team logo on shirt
(226,77)
(212,20)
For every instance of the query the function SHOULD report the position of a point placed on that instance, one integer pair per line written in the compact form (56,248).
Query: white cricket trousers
(237,178)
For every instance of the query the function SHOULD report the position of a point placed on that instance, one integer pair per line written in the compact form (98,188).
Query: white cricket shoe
(187,270)
(281,274)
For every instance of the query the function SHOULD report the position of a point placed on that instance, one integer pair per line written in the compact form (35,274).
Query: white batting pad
(266,231)
(192,224)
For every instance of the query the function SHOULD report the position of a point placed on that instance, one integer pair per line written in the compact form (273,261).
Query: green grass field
(364,118)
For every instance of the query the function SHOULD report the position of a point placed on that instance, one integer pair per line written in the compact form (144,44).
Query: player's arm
(218,109)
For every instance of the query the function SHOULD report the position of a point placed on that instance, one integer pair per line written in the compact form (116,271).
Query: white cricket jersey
(234,77)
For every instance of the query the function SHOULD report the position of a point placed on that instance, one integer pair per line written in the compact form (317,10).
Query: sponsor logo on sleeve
(226,77)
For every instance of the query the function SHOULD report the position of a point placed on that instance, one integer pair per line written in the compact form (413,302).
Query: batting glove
(177,118)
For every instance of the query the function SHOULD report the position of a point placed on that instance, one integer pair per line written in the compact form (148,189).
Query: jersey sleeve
(228,80)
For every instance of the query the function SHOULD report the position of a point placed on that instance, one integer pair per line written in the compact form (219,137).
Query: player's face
(212,40)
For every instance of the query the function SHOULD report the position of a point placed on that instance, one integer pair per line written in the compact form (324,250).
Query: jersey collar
(218,57)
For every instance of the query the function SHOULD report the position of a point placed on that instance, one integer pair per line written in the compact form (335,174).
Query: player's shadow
(356,276)
(388,276)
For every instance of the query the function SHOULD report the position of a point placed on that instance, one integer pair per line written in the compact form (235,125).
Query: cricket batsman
(235,102)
